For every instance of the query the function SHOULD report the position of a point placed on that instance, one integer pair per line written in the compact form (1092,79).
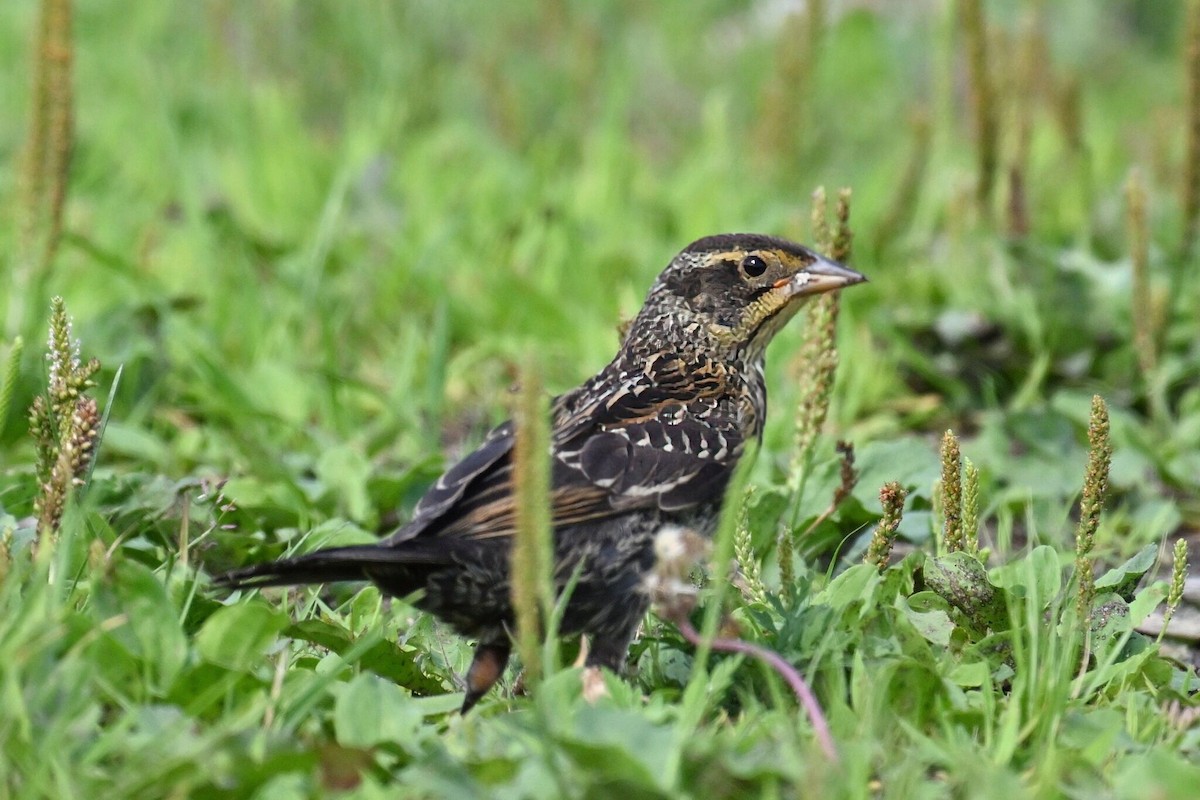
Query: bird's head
(734,292)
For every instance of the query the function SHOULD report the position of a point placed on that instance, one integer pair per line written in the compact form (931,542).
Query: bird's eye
(753,266)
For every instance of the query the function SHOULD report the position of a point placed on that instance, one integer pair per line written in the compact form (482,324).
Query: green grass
(317,238)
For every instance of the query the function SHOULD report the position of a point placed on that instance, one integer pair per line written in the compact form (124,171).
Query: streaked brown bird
(651,439)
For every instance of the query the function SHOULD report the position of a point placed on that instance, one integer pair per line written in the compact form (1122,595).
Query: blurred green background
(301,225)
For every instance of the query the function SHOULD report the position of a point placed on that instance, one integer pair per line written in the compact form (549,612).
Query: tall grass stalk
(952,494)
(1022,94)
(42,179)
(1190,180)
(818,365)
(1095,490)
(1146,314)
(818,354)
(786,96)
(8,378)
(532,556)
(984,101)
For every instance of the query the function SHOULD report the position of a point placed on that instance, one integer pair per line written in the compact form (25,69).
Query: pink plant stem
(775,661)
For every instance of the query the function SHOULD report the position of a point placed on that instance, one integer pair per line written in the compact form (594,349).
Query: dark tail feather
(327,566)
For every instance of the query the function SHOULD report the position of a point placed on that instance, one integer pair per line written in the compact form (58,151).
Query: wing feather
(665,436)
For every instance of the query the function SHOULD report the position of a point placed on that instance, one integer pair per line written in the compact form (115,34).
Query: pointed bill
(823,275)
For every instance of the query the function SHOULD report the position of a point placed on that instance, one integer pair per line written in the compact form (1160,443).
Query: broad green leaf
(370,711)
(961,579)
(1038,574)
(237,636)
(932,622)
(1123,580)
(855,584)
(970,675)
(1110,619)
(1145,601)
(624,745)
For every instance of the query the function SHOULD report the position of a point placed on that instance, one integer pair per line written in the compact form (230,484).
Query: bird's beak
(819,277)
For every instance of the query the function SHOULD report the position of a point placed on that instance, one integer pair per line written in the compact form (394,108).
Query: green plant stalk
(819,360)
(1145,318)
(551,645)
(841,247)
(809,415)
(6,554)
(695,695)
(42,181)
(819,219)
(1190,179)
(1095,490)
(1179,573)
(786,94)
(532,555)
(1139,254)
(751,570)
(970,507)
(543,713)
(785,554)
(8,380)
(983,94)
(879,551)
(1022,88)
(952,495)
(108,407)
(1044,659)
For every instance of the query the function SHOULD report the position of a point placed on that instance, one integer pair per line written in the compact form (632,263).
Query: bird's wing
(666,436)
